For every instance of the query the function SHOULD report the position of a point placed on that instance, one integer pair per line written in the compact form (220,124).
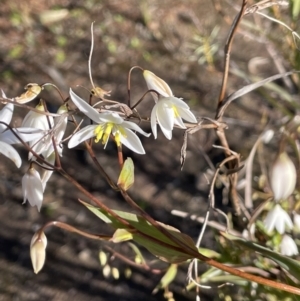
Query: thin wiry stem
(70,228)
(128,83)
(210,206)
(227,51)
(91,53)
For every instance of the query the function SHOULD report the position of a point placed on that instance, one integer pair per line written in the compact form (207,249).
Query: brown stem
(75,230)
(250,277)
(228,51)
(132,263)
(120,157)
(233,196)
(95,200)
(96,162)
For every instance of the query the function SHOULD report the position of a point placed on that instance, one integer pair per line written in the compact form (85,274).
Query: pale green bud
(38,251)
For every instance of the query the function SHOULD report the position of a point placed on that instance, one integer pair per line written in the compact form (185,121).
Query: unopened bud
(267,136)
(38,251)
(283,177)
(126,178)
(155,83)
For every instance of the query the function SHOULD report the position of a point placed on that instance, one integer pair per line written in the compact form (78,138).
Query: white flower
(38,251)
(107,123)
(57,133)
(155,83)
(32,188)
(169,111)
(288,246)
(283,177)
(279,219)
(7,137)
(39,121)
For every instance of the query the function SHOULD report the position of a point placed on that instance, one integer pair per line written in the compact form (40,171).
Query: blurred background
(181,42)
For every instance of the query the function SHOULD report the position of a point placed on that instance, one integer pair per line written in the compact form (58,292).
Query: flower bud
(126,178)
(283,177)
(267,136)
(38,251)
(155,83)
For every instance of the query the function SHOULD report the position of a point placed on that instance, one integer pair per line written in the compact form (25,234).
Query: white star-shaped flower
(107,123)
(288,246)
(277,219)
(168,110)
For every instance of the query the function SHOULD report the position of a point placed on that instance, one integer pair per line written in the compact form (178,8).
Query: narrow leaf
(289,264)
(149,236)
(249,88)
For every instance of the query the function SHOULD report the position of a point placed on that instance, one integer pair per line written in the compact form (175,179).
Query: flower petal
(8,151)
(38,251)
(38,120)
(82,135)
(133,142)
(6,115)
(177,102)
(32,188)
(84,107)
(165,118)
(112,117)
(279,219)
(187,115)
(48,172)
(155,83)
(288,246)
(283,177)
(178,121)
(153,121)
(135,127)
(26,134)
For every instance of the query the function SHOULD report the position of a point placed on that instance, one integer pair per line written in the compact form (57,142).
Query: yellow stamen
(98,133)
(121,132)
(107,132)
(176,114)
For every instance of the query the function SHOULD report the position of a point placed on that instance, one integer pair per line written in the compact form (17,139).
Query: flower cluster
(283,181)
(44,132)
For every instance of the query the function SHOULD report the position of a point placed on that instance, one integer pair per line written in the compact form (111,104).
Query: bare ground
(155,35)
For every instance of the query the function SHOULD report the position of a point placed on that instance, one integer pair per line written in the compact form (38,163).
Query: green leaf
(149,236)
(289,264)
